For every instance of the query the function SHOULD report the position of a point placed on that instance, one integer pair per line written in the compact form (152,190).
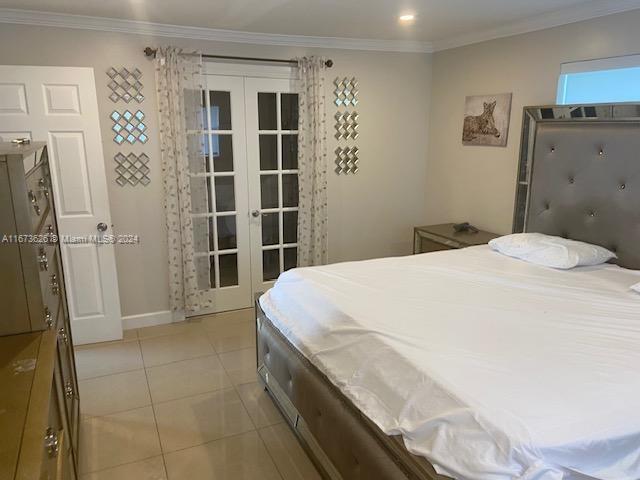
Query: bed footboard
(340,440)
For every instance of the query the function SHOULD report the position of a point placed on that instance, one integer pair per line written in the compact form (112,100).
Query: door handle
(255,213)
(102,227)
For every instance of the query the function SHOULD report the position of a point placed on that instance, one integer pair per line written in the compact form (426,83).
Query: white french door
(246,231)
(272,148)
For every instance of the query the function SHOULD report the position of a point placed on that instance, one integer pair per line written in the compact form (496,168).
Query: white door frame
(233,77)
(59,105)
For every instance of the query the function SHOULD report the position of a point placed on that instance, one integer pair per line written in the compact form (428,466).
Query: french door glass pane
(199,195)
(290,258)
(270,264)
(289,152)
(209,196)
(289,111)
(267,112)
(225,194)
(200,234)
(228,269)
(269,191)
(270,229)
(290,190)
(212,270)
(202,273)
(219,110)
(198,163)
(222,153)
(227,233)
(289,227)
(268,152)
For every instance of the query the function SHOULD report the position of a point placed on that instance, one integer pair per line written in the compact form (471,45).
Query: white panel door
(58,105)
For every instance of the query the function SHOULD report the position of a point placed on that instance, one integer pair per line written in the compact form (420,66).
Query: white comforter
(489,367)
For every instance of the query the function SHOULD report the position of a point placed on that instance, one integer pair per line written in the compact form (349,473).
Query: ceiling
(436,22)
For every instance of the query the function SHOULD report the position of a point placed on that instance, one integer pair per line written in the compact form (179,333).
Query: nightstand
(433,238)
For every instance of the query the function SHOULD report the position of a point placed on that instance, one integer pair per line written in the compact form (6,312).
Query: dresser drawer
(48,229)
(38,195)
(69,380)
(53,436)
(50,279)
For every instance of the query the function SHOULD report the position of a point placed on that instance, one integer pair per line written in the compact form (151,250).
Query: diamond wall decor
(132,169)
(346,92)
(346,125)
(346,160)
(125,85)
(129,127)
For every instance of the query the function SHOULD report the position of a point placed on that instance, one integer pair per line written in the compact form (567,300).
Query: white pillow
(636,287)
(554,252)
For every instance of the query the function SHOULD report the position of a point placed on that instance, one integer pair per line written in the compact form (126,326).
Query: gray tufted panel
(585,185)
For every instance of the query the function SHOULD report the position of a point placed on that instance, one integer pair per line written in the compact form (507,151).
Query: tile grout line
(215,353)
(155,422)
(84,474)
(264,444)
(236,389)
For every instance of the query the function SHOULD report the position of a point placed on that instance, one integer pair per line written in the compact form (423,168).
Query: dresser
(432,238)
(39,405)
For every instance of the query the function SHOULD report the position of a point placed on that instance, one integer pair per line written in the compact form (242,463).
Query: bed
(471,365)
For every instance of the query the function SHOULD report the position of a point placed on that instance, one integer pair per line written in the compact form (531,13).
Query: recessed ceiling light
(407,17)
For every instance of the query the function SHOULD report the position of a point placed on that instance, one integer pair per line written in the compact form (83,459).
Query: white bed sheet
(490,367)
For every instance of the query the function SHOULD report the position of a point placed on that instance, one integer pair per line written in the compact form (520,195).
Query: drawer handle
(34,201)
(62,335)
(48,318)
(51,442)
(42,260)
(55,286)
(42,183)
(68,390)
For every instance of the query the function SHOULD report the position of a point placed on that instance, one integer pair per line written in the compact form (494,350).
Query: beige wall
(478,183)
(371,214)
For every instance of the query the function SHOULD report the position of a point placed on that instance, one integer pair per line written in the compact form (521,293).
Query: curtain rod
(151,52)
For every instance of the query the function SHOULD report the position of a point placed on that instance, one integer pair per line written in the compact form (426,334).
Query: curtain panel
(179,88)
(312,163)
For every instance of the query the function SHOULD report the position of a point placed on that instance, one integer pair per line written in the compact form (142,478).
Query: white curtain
(312,163)
(179,88)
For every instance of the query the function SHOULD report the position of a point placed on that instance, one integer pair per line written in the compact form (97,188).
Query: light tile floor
(181,401)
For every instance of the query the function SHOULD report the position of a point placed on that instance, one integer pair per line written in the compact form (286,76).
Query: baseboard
(151,319)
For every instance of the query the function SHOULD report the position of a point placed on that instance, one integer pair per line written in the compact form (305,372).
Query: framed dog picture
(486,120)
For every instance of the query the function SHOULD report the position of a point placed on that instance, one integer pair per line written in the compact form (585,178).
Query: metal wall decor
(129,127)
(347,160)
(346,91)
(132,169)
(125,85)
(346,125)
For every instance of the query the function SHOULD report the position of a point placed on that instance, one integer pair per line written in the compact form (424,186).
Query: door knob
(255,213)
(102,227)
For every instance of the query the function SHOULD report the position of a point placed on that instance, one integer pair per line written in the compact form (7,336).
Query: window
(608,80)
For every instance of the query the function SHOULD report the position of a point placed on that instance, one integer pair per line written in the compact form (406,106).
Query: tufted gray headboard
(579,176)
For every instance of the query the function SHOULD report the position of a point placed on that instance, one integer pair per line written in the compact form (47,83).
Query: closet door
(272,152)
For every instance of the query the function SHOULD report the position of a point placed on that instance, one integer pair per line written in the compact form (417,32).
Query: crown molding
(565,16)
(136,27)
(577,13)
